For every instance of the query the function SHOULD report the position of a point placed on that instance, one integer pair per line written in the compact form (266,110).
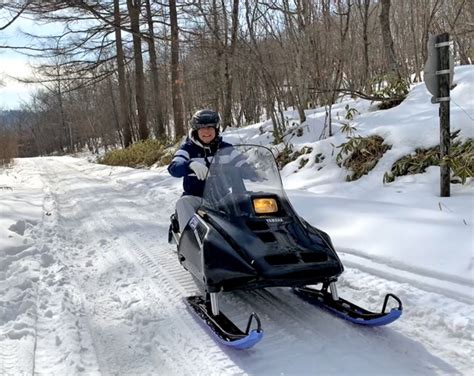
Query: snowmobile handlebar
(388,296)
(253,316)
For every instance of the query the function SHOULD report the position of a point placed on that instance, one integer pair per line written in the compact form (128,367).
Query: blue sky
(13,64)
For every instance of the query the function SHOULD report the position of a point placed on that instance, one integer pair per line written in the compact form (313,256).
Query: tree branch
(22,9)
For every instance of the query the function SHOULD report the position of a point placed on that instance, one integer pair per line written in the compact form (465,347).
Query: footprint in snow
(19,227)
(47,260)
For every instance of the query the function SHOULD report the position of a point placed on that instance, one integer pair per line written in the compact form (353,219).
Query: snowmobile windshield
(243,180)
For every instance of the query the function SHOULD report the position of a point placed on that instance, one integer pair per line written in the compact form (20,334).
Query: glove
(199,169)
(256,178)
(250,174)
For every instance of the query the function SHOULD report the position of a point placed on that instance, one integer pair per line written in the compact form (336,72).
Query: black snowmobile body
(246,235)
(227,245)
(225,253)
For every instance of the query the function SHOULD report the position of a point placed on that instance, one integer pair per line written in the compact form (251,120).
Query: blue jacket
(192,150)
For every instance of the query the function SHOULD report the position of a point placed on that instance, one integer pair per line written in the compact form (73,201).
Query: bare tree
(124,109)
(134,7)
(387,38)
(19,11)
(158,108)
(228,62)
(251,59)
(364,10)
(176,80)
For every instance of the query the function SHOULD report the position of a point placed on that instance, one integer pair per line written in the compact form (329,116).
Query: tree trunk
(218,48)
(64,123)
(134,12)
(124,109)
(297,38)
(227,113)
(364,6)
(159,118)
(66,127)
(387,39)
(114,108)
(415,44)
(176,81)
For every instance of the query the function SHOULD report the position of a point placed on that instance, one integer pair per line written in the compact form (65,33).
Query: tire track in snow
(372,296)
(10,361)
(166,329)
(448,286)
(76,303)
(297,328)
(293,324)
(121,323)
(19,274)
(63,340)
(443,325)
(307,338)
(190,355)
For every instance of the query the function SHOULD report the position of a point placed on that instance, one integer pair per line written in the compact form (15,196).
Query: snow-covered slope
(405,223)
(89,285)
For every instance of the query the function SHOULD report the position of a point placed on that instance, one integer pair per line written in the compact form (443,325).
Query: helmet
(203,119)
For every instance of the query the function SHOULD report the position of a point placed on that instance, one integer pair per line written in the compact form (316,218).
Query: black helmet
(204,118)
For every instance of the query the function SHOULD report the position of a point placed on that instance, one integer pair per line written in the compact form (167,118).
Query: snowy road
(106,297)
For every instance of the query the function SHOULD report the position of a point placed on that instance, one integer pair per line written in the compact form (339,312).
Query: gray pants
(186,207)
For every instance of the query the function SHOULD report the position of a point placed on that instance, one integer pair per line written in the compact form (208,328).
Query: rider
(193,159)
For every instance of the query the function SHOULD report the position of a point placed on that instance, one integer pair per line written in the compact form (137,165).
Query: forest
(119,72)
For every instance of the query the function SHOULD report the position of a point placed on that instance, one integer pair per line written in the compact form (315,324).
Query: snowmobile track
(133,266)
(168,277)
(449,287)
(64,304)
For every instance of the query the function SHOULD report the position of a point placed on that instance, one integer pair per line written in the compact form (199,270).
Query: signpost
(438,75)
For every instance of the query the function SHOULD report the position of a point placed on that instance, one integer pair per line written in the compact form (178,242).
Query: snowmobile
(246,235)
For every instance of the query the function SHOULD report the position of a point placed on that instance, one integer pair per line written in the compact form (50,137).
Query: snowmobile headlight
(265,205)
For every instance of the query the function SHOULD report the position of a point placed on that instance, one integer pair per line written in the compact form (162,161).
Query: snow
(89,285)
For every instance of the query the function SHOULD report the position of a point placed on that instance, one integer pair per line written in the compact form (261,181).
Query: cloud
(12,93)
(14,67)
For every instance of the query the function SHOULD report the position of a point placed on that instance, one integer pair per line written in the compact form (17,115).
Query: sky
(14,64)
(91,285)
(13,93)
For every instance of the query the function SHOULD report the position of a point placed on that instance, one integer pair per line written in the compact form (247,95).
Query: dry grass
(461,162)
(287,155)
(141,154)
(8,148)
(360,155)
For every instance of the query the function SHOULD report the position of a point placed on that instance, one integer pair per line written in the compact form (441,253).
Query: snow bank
(21,201)
(404,223)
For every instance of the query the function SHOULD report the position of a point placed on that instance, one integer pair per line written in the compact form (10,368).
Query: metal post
(444,112)
(333,288)
(214,303)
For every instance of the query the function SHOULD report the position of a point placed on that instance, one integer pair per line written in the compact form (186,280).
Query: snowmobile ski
(223,329)
(347,310)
